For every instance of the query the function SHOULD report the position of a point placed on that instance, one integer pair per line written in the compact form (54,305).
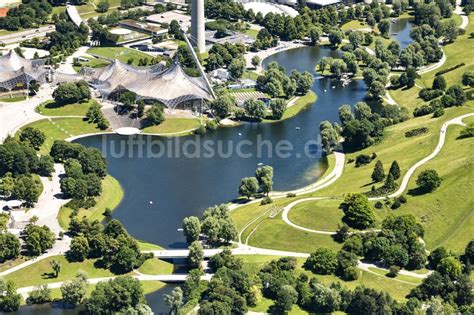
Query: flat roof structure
(166,17)
(143,27)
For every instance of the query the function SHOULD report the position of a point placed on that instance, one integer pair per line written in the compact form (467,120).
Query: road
(27,34)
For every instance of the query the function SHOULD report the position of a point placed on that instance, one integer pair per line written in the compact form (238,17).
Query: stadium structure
(16,73)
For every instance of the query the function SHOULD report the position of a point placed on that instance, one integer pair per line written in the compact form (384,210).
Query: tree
(74,291)
(314,34)
(457,93)
(358,212)
(222,105)
(428,181)
(255,109)
(338,67)
(196,255)
(122,295)
(378,174)
(286,297)
(325,300)
(335,37)
(436,256)
(155,116)
(439,83)
(278,107)
(10,246)
(38,239)
(9,299)
(384,27)
(256,61)
(345,114)
(40,295)
(191,229)
(468,78)
(102,6)
(264,176)
(79,249)
(248,187)
(33,137)
(237,67)
(174,300)
(174,29)
(323,261)
(56,266)
(450,266)
(329,136)
(356,38)
(394,170)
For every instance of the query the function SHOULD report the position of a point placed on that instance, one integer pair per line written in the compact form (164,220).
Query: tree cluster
(117,250)
(216,226)
(29,14)
(277,84)
(228,56)
(69,93)
(262,181)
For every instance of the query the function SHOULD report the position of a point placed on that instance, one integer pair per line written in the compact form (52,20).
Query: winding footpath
(405,180)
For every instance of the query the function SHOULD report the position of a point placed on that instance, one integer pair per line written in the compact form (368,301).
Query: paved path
(46,209)
(459,11)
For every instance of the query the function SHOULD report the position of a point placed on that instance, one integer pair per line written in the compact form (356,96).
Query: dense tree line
(228,56)
(67,37)
(29,14)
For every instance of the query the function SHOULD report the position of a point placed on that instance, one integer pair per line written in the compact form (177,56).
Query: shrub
(201,130)
(416,132)
(403,199)
(450,69)
(265,201)
(291,195)
(211,125)
(423,110)
(438,112)
(396,204)
(429,94)
(378,205)
(393,271)
(363,159)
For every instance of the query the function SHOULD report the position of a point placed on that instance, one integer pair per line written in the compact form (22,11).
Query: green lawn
(40,272)
(448,213)
(174,126)
(406,278)
(251,32)
(13,99)
(148,246)
(323,215)
(61,128)
(112,194)
(11,263)
(354,25)
(92,63)
(394,146)
(123,54)
(49,108)
(456,53)
(300,105)
(155,266)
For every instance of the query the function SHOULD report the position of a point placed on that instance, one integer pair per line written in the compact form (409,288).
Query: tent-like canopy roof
(170,86)
(16,70)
